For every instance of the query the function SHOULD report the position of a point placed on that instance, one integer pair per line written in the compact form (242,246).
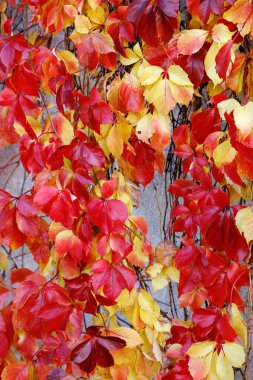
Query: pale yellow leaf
(223,367)
(234,353)
(228,106)
(132,56)
(155,269)
(243,118)
(180,85)
(210,63)
(94,3)
(178,76)
(162,326)
(149,309)
(144,128)
(244,222)
(191,41)
(82,24)
(160,95)
(221,33)
(150,75)
(198,350)
(157,351)
(238,323)
(173,272)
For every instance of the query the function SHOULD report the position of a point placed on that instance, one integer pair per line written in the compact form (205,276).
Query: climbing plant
(99,97)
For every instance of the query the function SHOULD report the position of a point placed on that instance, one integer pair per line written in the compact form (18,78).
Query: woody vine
(99,97)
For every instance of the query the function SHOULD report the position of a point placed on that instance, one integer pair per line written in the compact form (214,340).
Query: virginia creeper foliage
(99,96)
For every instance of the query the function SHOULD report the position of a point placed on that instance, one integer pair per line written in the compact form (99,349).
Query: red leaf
(94,111)
(113,278)
(154,21)
(58,204)
(223,59)
(108,188)
(221,233)
(204,123)
(27,217)
(203,8)
(131,94)
(109,215)
(120,29)
(95,350)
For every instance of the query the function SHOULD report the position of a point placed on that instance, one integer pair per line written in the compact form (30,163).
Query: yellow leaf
(234,353)
(161,280)
(244,222)
(162,326)
(145,367)
(178,76)
(181,87)
(210,63)
(82,24)
(224,154)
(97,15)
(150,75)
(144,128)
(223,367)
(19,129)
(115,142)
(155,123)
(69,60)
(173,272)
(243,118)
(3,6)
(221,33)
(228,106)
(149,309)
(198,350)
(154,269)
(130,336)
(160,95)
(126,299)
(4,261)
(133,56)
(191,41)
(117,136)
(238,323)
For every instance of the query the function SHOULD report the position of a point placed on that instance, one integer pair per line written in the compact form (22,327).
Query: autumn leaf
(95,350)
(130,336)
(165,89)
(191,41)
(205,361)
(95,48)
(223,59)
(154,21)
(55,202)
(113,278)
(69,60)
